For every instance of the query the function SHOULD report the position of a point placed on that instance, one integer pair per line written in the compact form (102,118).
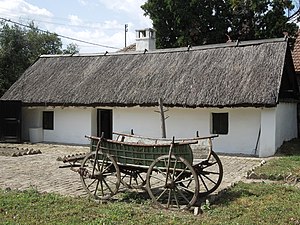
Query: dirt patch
(291,147)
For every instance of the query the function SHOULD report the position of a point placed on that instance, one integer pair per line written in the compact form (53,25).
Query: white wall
(143,121)
(267,137)
(70,124)
(286,122)
(244,125)
(93,122)
(243,132)
(276,124)
(31,118)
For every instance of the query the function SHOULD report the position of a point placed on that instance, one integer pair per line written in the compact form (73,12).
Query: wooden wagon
(164,168)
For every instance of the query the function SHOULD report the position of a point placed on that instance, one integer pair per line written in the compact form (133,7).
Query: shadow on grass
(133,196)
(228,196)
(223,198)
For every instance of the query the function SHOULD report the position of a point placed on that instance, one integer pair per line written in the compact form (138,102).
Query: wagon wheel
(133,179)
(210,173)
(176,188)
(100,177)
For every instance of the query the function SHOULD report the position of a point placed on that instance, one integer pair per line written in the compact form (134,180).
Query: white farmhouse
(244,91)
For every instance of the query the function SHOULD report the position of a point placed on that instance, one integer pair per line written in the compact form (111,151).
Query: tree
(20,47)
(259,19)
(188,22)
(40,43)
(71,49)
(12,61)
(197,22)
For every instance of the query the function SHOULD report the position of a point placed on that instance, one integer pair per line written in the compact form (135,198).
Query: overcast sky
(96,21)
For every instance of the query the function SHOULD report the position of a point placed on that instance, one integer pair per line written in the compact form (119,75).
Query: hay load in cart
(164,167)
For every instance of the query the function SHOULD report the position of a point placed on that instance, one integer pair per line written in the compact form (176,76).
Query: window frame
(48,120)
(220,123)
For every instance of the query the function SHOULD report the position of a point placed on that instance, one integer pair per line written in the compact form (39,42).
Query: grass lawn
(286,163)
(242,204)
(281,167)
(255,203)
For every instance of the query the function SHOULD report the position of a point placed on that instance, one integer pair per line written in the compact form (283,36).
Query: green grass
(30,207)
(284,166)
(243,204)
(258,203)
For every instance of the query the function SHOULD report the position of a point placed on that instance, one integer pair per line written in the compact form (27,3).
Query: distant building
(296,60)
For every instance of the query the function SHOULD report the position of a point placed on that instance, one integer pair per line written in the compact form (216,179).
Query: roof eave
(94,105)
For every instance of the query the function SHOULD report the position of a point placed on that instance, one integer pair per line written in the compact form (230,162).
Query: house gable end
(289,88)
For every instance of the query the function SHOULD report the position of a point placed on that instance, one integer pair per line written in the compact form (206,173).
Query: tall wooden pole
(162,117)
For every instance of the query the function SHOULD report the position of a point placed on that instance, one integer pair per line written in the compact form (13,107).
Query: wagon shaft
(73,158)
(82,172)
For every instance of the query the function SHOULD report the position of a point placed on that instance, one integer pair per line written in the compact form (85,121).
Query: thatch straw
(249,75)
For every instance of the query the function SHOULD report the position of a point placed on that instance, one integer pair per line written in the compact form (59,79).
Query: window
(48,120)
(219,123)
(142,33)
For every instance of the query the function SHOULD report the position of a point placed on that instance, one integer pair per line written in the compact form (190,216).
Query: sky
(97,21)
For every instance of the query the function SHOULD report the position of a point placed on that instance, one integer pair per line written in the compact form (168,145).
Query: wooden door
(104,123)
(10,121)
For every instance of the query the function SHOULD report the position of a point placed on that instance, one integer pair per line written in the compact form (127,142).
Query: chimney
(145,39)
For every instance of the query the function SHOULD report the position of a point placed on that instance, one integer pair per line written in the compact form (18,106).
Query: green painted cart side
(138,154)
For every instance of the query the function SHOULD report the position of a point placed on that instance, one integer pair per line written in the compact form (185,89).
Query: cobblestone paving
(236,168)
(42,171)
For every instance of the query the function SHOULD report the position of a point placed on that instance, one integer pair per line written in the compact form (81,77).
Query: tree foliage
(71,49)
(20,47)
(258,19)
(188,22)
(197,22)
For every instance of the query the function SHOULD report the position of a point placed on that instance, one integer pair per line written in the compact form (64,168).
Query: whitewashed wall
(243,133)
(267,137)
(286,123)
(70,124)
(244,125)
(31,118)
(276,125)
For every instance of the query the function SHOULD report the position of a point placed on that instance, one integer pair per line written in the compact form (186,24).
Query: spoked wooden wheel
(133,178)
(100,177)
(173,188)
(210,173)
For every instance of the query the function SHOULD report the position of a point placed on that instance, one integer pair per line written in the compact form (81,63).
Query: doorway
(10,121)
(104,123)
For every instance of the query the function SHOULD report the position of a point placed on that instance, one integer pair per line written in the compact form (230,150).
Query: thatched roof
(130,48)
(225,75)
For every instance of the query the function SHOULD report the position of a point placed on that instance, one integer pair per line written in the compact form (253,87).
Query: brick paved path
(42,171)
(236,168)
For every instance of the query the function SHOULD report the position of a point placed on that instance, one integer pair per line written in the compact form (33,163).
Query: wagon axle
(85,173)
(170,184)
